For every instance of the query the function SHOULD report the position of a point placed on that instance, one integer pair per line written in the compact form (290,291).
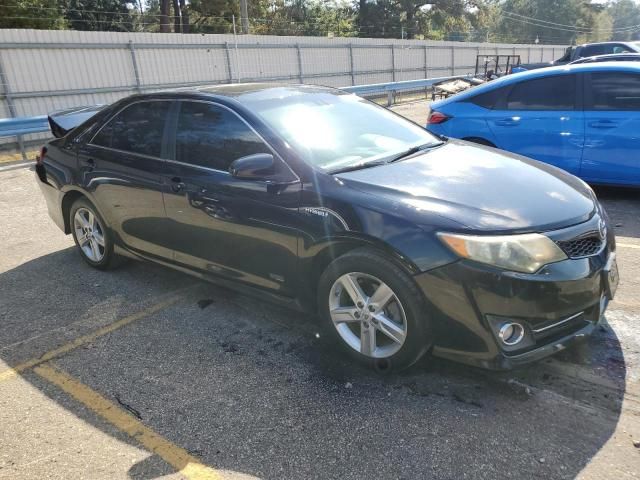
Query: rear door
(542,119)
(122,167)
(241,229)
(612,122)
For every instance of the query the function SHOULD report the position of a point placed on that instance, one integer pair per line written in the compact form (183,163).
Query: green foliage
(625,14)
(509,21)
(99,15)
(513,23)
(32,14)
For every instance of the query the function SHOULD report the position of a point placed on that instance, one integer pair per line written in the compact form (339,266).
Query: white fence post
(12,107)
(134,62)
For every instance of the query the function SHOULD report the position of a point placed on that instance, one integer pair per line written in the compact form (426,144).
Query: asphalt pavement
(143,372)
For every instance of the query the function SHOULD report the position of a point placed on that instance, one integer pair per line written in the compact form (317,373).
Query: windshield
(567,55)
(335,131)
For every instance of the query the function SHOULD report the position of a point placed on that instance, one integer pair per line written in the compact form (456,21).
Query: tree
(42,14)
(99,15)
(516,23)
(625,15)
(164,16)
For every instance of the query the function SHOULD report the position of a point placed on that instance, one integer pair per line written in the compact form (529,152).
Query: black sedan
(402,242)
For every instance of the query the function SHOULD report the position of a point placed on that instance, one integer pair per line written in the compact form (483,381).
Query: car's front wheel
(90,235)
(374,310)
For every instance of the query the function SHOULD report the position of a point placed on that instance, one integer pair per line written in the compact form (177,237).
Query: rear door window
(614,91)
(211,136)
(549,93)
(139,128)
(490,99)
(606,49)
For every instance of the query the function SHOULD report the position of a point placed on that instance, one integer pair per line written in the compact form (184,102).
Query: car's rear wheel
(374,310)
(90,234)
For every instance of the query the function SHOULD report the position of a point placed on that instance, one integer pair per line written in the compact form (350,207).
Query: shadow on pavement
(622,206)
(248,387)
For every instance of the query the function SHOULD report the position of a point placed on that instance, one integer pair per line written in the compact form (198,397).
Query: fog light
(511,333)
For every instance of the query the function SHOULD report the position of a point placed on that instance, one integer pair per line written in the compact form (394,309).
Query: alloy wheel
(90,234)
(367,314)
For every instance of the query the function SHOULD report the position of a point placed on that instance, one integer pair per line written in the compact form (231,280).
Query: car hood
(478,188)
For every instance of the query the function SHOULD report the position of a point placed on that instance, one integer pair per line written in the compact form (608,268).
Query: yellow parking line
(177,457)
(80,341)
(627,245)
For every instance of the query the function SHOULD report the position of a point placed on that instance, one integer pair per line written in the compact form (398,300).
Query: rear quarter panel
(55,176)
(467,120)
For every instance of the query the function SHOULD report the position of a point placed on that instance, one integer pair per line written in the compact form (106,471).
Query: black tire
(108,258)
(418,338)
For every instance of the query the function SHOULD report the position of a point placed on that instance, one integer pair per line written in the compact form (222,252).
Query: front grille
(582,247)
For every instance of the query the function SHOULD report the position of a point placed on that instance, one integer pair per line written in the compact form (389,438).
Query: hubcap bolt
(371,308)
(357,314)
(360,304)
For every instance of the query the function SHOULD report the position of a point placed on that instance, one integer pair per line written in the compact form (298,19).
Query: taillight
(40,158)
(437,117)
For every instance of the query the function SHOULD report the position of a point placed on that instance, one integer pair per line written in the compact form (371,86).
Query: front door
(122,167)
(240,229)
(542,119)
(612,124)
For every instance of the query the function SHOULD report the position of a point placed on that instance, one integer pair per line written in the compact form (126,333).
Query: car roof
(604,58)
(609,43)
(246,92)
(630,66)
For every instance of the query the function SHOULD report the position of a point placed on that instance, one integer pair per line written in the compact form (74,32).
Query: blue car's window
(333,131)
(549,93)
(211,136)
(614,91)
(137,129)
(489,99)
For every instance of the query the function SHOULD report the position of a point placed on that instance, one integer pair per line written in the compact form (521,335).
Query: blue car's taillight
(437,117)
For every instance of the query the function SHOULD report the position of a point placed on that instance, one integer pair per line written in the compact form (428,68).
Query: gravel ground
(248,388)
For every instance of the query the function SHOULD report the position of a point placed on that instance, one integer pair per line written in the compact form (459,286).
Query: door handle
(507,122)
(603,124)
(177,185)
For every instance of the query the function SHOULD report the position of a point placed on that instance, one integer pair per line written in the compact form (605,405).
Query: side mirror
(253,167)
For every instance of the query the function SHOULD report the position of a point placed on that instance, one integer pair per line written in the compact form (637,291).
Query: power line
(571,28)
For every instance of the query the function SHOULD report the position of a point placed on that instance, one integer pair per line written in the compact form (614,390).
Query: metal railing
(392,88)
(12,127)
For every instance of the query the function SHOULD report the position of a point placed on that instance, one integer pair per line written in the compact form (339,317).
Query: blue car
(582,118)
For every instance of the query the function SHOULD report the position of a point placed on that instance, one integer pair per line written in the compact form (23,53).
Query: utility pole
(244,16)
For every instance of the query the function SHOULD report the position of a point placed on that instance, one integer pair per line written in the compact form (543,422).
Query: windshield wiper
(374,163)
(413,150)
(357,166)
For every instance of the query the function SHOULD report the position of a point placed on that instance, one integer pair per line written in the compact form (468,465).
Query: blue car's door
(542,119)
(612,123)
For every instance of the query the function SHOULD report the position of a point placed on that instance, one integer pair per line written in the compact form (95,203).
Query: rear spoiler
(63,121)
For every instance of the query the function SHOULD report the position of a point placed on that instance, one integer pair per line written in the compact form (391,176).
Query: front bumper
(557,306)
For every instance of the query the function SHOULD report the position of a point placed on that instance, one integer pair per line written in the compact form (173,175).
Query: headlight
(520,253)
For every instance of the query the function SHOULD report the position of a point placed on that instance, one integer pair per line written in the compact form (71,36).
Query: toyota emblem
(602,228)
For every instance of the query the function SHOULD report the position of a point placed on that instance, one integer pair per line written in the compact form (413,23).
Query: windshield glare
(336,131)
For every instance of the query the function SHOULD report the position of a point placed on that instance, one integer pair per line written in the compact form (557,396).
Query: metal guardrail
(12,127)
(392,87)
